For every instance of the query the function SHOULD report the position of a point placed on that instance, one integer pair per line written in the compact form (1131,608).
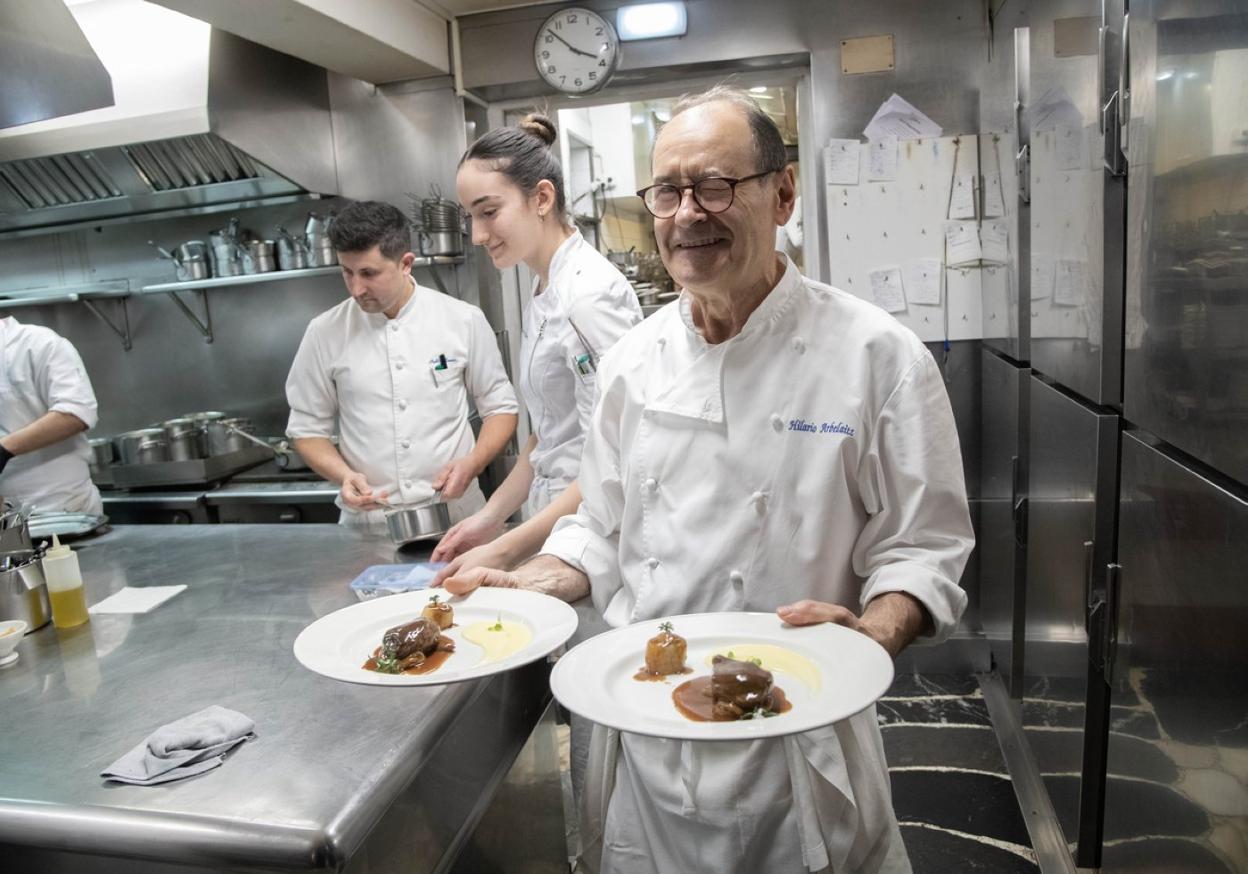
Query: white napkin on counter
(136,600)
(183,748)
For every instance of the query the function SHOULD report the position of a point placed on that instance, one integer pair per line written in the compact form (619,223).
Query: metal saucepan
(187,438)
(227,435)
(419,522)
(143,446)
(259,256)
(103,452)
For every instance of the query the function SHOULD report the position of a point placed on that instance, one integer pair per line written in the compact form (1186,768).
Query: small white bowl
(10,636)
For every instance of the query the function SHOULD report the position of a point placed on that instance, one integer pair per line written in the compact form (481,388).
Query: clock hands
(569,45)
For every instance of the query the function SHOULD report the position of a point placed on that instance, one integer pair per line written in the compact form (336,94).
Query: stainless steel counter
(340,776)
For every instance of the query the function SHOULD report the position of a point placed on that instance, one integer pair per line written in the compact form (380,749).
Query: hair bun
(539,126)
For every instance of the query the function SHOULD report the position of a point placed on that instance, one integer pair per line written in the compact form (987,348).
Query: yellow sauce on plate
(775,659)
(498,643)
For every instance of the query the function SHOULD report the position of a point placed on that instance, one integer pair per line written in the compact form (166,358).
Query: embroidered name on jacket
(820,427)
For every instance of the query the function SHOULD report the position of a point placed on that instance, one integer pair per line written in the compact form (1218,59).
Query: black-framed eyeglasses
(713,194)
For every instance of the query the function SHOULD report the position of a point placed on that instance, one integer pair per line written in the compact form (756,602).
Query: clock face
(576,51)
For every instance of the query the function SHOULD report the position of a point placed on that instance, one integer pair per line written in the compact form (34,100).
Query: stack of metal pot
(439,225)
(23,590)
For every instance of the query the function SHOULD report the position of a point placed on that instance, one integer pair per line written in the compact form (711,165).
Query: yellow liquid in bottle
(69,608)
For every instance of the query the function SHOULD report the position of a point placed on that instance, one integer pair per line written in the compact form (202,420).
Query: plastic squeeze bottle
(69,601)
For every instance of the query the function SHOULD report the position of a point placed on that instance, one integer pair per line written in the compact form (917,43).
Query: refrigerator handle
(1088,596)
(1124,88)
(1109,625)
(1020,503)
(1022,169)
(1100,64)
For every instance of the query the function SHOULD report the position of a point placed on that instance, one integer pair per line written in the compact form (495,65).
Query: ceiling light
(759,89)
(638,119)
(651,20)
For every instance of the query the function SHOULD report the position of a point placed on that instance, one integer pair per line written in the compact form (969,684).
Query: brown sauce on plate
(433,661)
(647,677)
(693,699)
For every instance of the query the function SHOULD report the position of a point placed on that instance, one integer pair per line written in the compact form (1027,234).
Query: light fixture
(651,21)
(759,89)
(639,119)
(1164,76)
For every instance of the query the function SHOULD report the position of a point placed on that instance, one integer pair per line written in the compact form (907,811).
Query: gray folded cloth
(184,748)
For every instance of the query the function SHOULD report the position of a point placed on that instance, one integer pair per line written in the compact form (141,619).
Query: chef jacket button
(777,423)
(407,444)
(652,562)
(393,326)
(652,484)
(758,498)
(398,365)
(799,345)
(402,405)
(737,578)
(662,342)
(407,483)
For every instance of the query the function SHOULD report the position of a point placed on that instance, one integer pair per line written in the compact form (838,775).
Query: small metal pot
(321,252)
(222,438)
(422,522)
(143,446)
(440,243)
(204,418)
(259,256)
(103,452)
(187,439)
(24,594)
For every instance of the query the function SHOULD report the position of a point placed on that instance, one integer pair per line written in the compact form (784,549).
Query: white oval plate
(337,645)
(596,678)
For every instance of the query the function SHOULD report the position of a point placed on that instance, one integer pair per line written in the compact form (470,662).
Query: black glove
(5,455)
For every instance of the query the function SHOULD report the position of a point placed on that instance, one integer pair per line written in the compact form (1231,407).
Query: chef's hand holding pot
(455,477)
(357,494)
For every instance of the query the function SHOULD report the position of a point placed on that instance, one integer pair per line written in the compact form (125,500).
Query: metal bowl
(423,522)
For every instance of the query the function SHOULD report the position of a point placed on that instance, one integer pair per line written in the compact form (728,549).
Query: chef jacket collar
(379,320)
(697,392)
(560,261)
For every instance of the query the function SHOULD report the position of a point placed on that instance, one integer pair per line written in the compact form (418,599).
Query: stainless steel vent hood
(203,120)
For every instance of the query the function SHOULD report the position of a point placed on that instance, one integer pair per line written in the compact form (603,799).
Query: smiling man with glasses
(763,443)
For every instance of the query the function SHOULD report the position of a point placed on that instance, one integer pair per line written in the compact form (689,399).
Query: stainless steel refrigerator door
(1077,206)
(1072,500)
(1177,794)
(1186,360)
(1001,539)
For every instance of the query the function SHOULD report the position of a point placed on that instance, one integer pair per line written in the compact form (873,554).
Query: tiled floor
(951,790)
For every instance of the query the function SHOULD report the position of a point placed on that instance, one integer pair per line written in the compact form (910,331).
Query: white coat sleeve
(310,391)
(62,381)
(918,537)
(589,540)
(486,378)
(599,319)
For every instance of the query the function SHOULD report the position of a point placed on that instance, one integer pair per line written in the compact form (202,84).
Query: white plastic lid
(58,550)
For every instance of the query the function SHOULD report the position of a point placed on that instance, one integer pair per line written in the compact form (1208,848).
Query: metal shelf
(276,276)
(117,291)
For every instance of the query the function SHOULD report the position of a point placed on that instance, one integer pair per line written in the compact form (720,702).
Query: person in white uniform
(764,442)
(511,184)
(396,365)
(46,408)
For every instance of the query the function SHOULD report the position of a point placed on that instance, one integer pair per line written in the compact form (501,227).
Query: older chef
(396,365)
(765,442)
(46,406)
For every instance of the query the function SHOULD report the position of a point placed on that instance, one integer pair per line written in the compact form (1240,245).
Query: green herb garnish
(434,600)
(760,713)
(666,626)
(386,662)
(498,624)
(754,660)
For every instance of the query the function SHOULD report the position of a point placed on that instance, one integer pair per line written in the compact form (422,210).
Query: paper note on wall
(1041,277)
(1070,283)
(922,280)
(994,200)
(962,244)
(883,162)
(994,237)
(962,198)
(840,162)
(1069,146)
(898,117)
(886,289)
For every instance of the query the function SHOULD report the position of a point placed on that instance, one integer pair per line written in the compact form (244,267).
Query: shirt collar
(562,255)
(407,308)
(770,311)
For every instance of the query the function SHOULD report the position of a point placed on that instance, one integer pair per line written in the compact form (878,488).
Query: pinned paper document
(994,239)
(1070,283)
(886,289)
(883,163)
(962,198)
(1041,278)
(840,162)
(922,280)
(994,200)
(962,246)
(898,118)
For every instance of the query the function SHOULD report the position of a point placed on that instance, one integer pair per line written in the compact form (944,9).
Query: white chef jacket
(585,308)
(41,372)
(402,412)
(813,455)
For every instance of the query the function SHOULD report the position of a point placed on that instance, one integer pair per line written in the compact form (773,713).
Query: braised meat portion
(417,636)
(738,688)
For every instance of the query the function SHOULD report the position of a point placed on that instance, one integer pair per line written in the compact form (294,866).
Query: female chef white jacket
(399,389)
(41,372)
(585,308)
(813,455)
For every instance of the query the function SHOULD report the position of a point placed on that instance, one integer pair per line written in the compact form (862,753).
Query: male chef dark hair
(768,141)
(368,223)
(523,154)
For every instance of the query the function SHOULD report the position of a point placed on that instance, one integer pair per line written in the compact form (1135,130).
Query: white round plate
(337,645)
(842,672)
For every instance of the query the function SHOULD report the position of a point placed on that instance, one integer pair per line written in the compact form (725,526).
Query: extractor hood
(203,120)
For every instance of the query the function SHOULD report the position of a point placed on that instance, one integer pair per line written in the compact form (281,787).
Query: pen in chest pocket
(439,364)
